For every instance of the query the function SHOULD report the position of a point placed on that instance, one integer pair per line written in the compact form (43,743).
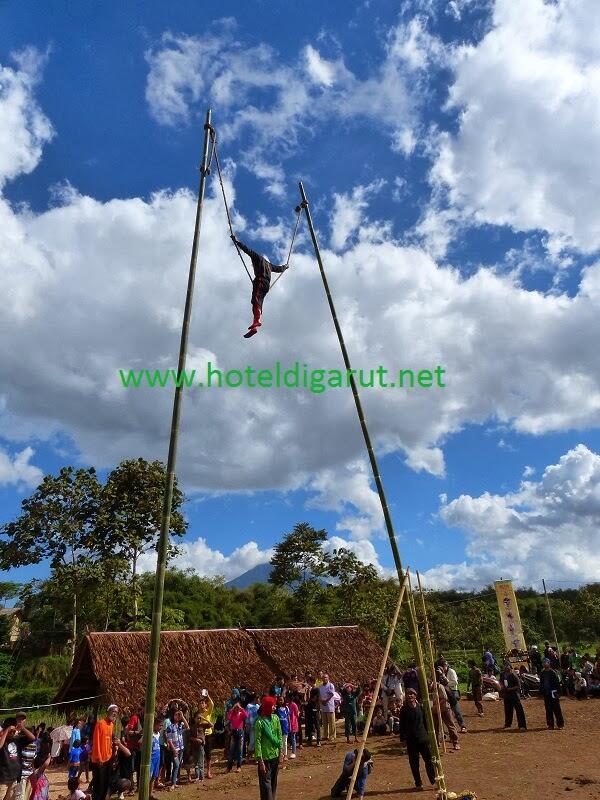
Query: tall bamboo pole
(431,659)
(551,617)
(163,541)
(414,633)
(386,652)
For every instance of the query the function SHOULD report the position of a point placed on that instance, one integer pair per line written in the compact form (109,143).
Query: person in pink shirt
(294,712)
(237,717)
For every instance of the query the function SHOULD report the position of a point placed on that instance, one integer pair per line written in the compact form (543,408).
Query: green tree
(56,524)
(9,590)
(130,515)
(299,557)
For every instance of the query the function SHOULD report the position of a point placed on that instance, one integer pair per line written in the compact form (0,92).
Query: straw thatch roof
(114,666)
(347,652)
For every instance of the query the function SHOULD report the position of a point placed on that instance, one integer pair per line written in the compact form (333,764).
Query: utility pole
(412,623)
(551,617)
(163,542)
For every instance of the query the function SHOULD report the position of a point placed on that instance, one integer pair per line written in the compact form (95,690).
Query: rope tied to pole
(214,154)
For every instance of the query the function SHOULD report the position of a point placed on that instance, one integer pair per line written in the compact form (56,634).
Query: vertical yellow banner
(509,615)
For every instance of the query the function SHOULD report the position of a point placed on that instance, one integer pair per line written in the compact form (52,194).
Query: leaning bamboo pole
(411,620)
(431,660)
(386,652)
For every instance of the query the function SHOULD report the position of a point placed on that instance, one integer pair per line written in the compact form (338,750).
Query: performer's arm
(249,252)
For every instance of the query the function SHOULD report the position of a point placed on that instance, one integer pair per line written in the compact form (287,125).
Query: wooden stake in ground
(386,652)
(412,623)
(431,659)
(163,541)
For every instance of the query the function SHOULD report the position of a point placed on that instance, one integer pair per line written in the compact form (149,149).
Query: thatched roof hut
(114,666)
(347,652)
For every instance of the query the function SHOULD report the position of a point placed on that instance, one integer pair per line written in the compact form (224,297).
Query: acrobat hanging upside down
(261,283)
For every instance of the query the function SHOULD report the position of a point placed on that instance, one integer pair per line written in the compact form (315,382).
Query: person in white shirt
(453,692)
(326,698)
(391,688)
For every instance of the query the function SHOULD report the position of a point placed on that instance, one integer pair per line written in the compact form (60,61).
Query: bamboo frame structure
(386,653)
(411,619)
(431,659)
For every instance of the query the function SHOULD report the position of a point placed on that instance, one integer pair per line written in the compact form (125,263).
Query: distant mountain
(258,574)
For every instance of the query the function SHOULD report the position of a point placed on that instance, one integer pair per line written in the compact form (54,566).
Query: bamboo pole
(431,659)
(427,704)
(386,652)
(414,633)
(163,541)
(551,617)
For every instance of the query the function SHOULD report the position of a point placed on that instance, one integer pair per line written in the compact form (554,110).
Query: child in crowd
(194,751)
(75,759)
(252,711)
(155,755)
(236,717)
(294,714)
(84,758)
(75,792)
(379,724)
(38,780)
(340,787)
(284,719)
(206,709)
(311,714)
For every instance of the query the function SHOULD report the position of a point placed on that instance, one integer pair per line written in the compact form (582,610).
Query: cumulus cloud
(348,213)
(548,528)
(527,150)
(196,554)
(348,492)
(259,93)
(25,128)
(97,286)
(18,471)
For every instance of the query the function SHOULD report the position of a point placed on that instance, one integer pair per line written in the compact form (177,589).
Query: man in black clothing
(413,731)
(550,690)
(511,688)
(261,283)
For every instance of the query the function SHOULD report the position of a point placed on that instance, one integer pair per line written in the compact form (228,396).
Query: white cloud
(18,471)
(527,151)
(25,129)
(97,286)
(546,529)
(197,555)
(348,492)
(363,549)
(348,214)
(259,91)
(319,69)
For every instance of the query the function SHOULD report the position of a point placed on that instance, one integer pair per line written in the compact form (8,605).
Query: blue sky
(447,152)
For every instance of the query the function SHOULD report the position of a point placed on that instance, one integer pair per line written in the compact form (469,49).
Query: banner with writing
(509,615)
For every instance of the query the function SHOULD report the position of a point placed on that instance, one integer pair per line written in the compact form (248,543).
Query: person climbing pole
(261,283)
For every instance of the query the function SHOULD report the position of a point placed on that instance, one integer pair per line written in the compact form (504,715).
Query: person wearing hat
(268,741)
(511,689)
(102,753)
(413,731)
(550,691)
(350,695)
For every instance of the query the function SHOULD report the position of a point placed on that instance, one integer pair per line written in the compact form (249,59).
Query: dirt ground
(495,764)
